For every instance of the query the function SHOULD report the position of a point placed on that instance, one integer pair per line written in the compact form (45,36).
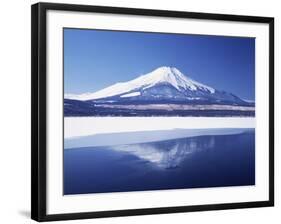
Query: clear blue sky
(95,59)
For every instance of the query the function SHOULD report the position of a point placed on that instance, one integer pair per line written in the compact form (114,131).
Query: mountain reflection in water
(170,153)
(191,162)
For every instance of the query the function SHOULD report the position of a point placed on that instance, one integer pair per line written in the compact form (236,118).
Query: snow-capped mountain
(164,84)
(163,92)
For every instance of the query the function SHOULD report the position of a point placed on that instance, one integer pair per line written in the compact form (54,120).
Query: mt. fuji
(165,86)
(164,83)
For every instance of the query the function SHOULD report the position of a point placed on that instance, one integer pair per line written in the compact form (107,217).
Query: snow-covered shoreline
(85,126)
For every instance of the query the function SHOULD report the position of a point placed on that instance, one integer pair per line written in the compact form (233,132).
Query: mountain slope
(164,84)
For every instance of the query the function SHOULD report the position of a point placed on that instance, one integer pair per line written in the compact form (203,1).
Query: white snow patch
(131,94)
(84,126)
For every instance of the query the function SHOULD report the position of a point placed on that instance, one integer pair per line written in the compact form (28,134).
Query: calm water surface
(192,162)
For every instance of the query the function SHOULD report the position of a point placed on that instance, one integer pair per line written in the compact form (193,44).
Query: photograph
(147,111)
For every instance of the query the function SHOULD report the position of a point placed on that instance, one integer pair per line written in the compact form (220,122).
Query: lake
(186,162)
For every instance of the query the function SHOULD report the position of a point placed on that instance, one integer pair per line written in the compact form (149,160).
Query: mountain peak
(173,76)
(166,72)
(165,69)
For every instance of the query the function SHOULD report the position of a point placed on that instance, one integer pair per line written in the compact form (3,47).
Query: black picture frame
(39,122)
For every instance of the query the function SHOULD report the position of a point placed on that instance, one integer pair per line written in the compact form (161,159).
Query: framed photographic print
(139,111)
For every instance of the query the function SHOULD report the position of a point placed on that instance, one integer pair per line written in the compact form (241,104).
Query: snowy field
(86,126)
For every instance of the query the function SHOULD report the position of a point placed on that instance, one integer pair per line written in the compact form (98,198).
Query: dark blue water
(193,162)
